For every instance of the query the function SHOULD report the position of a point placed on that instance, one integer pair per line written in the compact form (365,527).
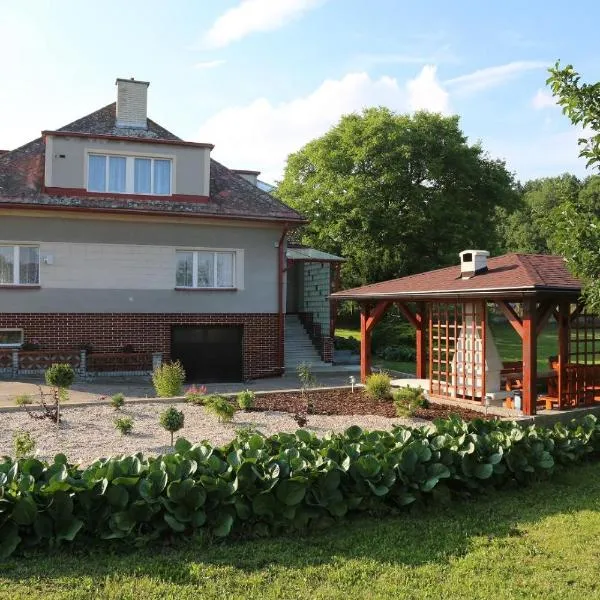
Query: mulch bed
(344,402)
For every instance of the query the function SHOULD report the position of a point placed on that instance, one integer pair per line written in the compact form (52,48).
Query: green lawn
(541,542)
(507,342)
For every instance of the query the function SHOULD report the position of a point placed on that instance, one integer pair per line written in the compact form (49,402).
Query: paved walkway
(100,389)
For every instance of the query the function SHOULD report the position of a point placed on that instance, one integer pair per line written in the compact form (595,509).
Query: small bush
(168,379)
(60,375)
(23,400)
(398,353)
(392,332)
(172,420)
(117,401)
(306,376)
(196,395)
(378,386)
(128,349)
(346,343)
(220,408)
(23,444)
(124,425)
(408,400)
(245,399)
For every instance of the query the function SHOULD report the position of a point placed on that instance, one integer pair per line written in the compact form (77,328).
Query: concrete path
(101,389)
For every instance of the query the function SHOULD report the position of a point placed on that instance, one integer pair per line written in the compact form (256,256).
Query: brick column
(15,363)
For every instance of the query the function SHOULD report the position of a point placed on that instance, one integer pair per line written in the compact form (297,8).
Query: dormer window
(129,174)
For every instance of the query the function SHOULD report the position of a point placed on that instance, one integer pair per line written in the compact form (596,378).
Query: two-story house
(114,232)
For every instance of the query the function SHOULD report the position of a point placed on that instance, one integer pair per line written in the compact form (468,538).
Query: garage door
(209,353)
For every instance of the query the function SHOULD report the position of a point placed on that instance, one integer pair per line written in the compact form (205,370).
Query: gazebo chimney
(473,262)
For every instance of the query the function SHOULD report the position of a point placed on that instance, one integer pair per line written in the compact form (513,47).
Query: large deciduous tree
(396,194)
(578,221)
(532,227)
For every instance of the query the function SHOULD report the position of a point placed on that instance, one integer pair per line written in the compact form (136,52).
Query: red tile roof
(231,196)
(507,273)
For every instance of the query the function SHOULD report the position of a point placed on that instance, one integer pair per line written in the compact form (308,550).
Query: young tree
(396,194)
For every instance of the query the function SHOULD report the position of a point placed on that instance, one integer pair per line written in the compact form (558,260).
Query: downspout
(281,270)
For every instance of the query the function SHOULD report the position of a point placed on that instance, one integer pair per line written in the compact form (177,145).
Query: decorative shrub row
(287,482)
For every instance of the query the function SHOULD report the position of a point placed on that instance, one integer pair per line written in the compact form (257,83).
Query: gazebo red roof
(510,274)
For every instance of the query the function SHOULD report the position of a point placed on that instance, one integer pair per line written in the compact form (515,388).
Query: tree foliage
(396,194)
(581,103)
(578,220)
(532,227)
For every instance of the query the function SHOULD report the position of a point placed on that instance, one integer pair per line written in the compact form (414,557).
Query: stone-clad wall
(316,293)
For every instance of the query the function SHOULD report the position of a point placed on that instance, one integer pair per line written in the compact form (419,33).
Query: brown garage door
(210,353)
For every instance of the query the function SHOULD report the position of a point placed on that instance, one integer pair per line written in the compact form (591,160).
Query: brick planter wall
(148,332)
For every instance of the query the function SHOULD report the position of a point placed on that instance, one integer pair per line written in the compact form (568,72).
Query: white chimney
(251,176)
(132,103)
(473,262)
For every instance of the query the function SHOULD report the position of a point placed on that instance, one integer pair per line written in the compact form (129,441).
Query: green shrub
(245,399)
(398,353)
(378,386)
(392,332)
(219,407)
(172,420)
(346,343)
(283,483)
(23,444)
(408,400)
(124,425)
(60,375)
(168,379)
(117,401)
(23,400)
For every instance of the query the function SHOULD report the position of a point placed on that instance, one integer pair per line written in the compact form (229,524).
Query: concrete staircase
(299,347)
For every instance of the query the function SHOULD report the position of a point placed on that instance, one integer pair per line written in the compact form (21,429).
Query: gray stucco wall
(190,164)
(127,266)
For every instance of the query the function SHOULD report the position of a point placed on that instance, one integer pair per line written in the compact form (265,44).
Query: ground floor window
(11,338)
(19,265)
(205,269)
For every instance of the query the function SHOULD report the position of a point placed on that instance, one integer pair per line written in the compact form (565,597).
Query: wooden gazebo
(454,347)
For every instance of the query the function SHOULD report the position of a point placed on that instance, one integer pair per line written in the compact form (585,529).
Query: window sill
(11,286)
(205,289)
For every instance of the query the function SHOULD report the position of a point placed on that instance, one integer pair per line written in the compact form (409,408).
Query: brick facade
(147,332)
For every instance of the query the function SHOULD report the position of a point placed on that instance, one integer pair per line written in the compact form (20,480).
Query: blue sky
(259,78)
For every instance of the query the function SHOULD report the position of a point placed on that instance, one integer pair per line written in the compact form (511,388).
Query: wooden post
(529,357)
(365,344)
(564,310)
(421,345)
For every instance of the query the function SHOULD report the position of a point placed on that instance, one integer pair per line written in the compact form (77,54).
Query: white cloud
(492,76)
(426,93)
(251,16)
(543,99)
(209,64)
(262,134)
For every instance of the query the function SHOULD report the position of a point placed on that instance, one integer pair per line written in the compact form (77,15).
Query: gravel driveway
(88,432)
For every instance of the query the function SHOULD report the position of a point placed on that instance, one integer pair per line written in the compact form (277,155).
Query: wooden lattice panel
(457,349)
(582,372)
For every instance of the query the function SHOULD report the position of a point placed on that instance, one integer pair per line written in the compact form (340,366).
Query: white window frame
(17,265)
(130,172)
(215,253)
(10,329)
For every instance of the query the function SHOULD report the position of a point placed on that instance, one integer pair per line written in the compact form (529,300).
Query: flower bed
(283,483)
(344,402)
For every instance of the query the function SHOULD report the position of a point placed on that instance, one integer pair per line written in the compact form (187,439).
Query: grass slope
(541,542)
